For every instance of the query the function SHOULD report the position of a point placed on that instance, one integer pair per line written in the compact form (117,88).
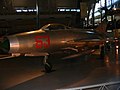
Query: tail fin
(102,27)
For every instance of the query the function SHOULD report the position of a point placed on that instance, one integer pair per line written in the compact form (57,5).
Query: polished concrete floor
(27,73)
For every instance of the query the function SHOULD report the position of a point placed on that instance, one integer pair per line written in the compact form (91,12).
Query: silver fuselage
(40,41)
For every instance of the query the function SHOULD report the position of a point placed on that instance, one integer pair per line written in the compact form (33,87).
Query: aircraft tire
(48,67)
(102,53)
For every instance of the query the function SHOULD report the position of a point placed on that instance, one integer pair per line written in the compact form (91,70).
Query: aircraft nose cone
(4,46)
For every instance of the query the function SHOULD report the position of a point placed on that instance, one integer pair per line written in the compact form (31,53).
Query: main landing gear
(105,49)
(47,65)
(102,52)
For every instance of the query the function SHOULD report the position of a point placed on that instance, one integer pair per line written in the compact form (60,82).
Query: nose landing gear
(47,65)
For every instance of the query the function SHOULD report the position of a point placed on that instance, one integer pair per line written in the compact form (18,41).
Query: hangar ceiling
(23,3)
(58,2)
(44,4)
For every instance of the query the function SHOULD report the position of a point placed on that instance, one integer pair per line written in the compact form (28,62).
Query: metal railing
(103,86)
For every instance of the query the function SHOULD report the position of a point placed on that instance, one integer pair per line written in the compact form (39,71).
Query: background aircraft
(45,42)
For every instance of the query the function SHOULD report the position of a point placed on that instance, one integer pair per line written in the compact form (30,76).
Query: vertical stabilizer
(102,27)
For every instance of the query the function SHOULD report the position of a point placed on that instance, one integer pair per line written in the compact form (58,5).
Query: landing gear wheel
(48,67)
(102,53)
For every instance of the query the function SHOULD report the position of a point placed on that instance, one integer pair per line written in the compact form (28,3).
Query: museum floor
(27,73)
